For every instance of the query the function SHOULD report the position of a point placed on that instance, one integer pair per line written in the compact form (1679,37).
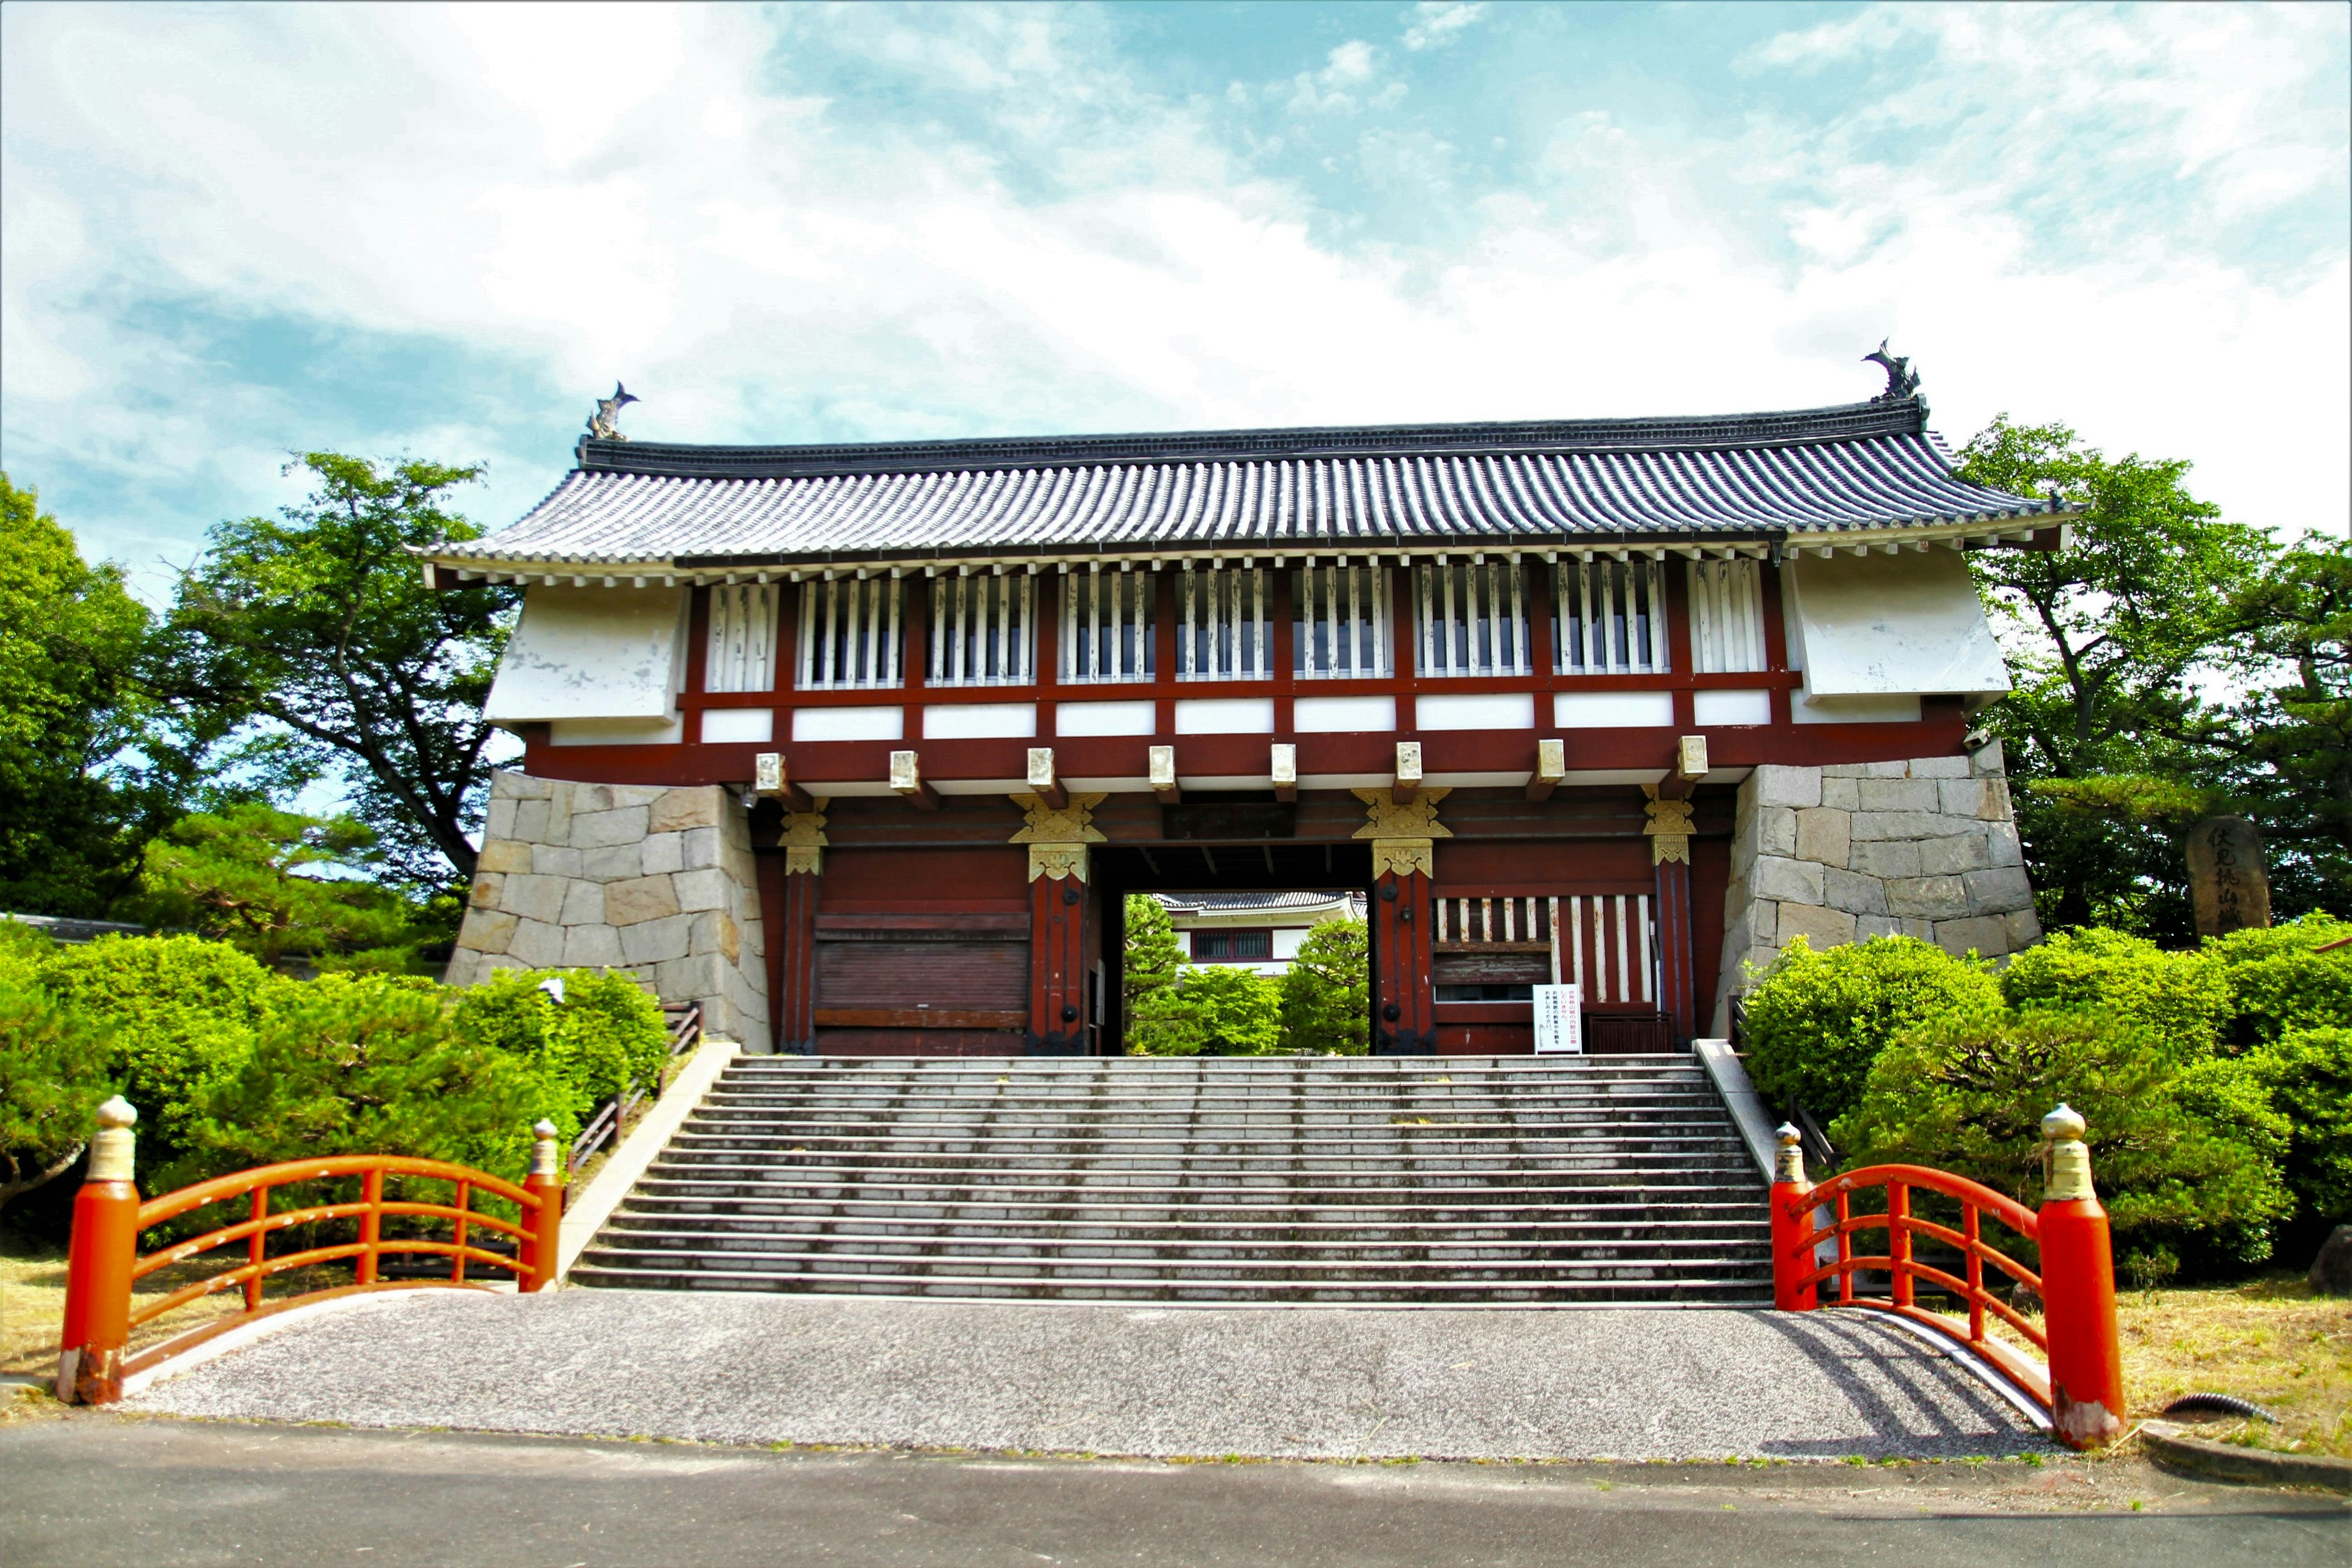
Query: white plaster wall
(1882,625)
(592,653)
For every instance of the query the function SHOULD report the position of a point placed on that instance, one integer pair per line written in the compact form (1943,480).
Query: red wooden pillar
(1058,965)
(1677,988)
(788,904)
(1404,1012)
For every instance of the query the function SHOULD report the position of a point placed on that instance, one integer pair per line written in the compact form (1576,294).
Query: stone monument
(2227,886)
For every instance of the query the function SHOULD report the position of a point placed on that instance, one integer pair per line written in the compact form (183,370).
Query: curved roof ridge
(1844,422)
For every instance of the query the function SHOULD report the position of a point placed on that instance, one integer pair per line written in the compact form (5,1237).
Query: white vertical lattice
(1726,617)
(982,631)
(741,656)
(1611,618)
(1222,632)
(1608,949)
(850,634)
(1473,619)
(1341,620)
(1107,619)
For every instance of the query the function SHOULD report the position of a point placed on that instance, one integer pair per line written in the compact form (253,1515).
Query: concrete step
(1278,1180)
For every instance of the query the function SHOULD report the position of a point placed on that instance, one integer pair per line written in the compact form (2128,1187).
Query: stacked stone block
(1845,852)
(658,882)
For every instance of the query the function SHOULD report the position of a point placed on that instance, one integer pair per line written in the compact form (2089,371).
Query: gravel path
(1306,1382)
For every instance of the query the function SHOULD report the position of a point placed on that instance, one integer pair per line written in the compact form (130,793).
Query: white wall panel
(1613,709)
(1342,715)
(1105,717)
(849,724)
(738,725)
(1882,625)
(592,653)
(1225,716)
(1499,711)
(979,721)
(1727,708)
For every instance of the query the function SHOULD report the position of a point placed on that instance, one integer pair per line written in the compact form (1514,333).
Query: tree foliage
(1152,959)
(2289,752)
(53,1075)
(606,1037)
(2106,640)
(73,813)
(247,875)
(1817,1020)
(313,636)
(2184,1148)
(1327,994)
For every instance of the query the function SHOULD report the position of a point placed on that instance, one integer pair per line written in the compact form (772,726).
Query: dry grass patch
(33,1301)
(2272,1341)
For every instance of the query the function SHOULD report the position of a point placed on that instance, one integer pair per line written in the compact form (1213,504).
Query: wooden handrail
(108,1218)
(2082,1387)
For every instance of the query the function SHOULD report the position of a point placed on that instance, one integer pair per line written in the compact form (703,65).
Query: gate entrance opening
(1225,866)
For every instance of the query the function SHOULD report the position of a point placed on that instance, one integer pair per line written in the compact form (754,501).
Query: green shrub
(23,950)
(183,1012)
(53,1074)
(2278,983)
(604,1038)
(2183,998)
(2309,1076)
(1817,1020)
(2185,1153)
(1327,994)
(1213,1009)
(366,1064)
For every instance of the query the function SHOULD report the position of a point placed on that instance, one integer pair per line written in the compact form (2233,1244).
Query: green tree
(2309,1076)
(1326,995)
(1817,1021)
(53,1074)
(183,1012)
(73,813)
(247,875)
(1234,1010)
(2183,998)
(2104,640)
(366,1064)
(314,637)
(2290,750)
(2185,1150)
(1151,959)
(606,1037)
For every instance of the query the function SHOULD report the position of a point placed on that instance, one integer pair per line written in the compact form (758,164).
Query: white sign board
(1560,1019)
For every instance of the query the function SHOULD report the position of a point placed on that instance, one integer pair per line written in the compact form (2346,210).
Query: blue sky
(230,233)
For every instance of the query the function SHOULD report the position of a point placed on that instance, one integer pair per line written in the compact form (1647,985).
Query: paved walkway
(1125,1380)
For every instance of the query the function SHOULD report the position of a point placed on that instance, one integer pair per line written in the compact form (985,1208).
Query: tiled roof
(1863,467)
(1238,903)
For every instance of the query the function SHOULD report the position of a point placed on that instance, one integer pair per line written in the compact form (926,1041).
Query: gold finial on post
(1790,1164)
(2069,1170)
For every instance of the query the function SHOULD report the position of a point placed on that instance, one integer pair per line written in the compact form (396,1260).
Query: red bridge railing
(2081,1387)
(104,1261)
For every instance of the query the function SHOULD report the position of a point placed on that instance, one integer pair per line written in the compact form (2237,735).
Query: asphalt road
(90,1489)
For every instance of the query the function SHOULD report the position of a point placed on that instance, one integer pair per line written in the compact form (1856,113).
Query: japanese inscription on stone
(2229,888)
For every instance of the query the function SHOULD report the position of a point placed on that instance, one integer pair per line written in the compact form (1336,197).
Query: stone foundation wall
(658,882)
(1843,853)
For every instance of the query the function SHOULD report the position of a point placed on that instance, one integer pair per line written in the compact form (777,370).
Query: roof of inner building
(1867,467)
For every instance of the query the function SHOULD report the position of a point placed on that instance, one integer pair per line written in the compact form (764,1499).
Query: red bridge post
(99,1263)
(2078,1293)
(545,1182)
(1793,1224)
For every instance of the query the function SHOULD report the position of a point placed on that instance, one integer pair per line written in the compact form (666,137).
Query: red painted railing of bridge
(2081,1387)
(104,1262)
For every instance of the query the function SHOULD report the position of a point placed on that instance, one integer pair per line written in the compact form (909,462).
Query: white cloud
(1434,24)
(774,267)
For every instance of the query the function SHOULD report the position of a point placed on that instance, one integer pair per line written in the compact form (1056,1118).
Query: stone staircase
(1456,1180)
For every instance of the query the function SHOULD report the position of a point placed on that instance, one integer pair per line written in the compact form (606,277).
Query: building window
(1106,620)
(1222,631)
(742,652)
(1609,618)
(1339,623)
(850,635)
(982,631)
(1726,617)
(1231,946)
(1474,620)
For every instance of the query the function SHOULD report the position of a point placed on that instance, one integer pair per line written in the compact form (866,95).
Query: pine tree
(1326,996)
